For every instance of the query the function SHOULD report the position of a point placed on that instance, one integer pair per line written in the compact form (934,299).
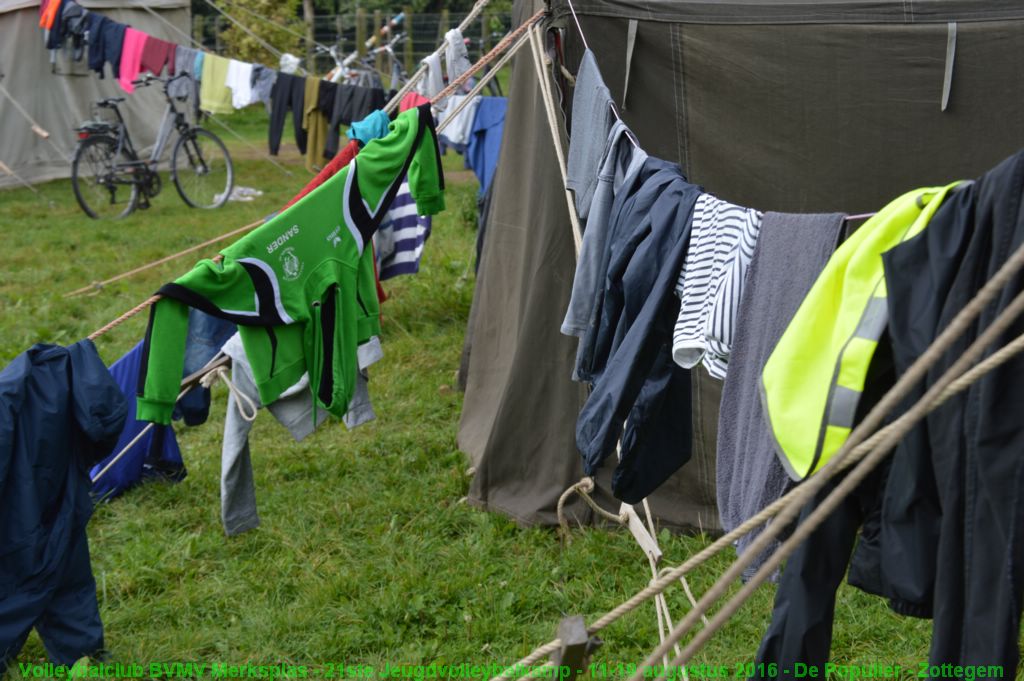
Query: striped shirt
(399,241)
(710,283)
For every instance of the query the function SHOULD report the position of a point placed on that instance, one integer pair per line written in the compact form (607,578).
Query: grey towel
(788,258)
(592,120)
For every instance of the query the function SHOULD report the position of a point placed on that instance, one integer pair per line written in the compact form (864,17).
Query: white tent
(61,101)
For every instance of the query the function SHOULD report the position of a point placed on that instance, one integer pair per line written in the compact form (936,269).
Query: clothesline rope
(95,286)
(484,80)
(856,447)
(509,38)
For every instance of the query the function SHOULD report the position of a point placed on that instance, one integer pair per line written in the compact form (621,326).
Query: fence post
(577,646)
(407,10)
(198,24)
(361,31)
(218,28)
(378,21)
(339,26)
(442,25)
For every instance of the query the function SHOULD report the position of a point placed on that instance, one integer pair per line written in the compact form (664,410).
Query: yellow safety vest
(814,378)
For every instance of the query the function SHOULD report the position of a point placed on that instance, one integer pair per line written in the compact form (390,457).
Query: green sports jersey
(298,285)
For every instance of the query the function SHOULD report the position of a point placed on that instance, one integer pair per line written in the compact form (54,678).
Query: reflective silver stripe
(843,407)
(873,322)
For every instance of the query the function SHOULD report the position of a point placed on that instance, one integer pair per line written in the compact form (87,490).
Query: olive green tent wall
(796,105)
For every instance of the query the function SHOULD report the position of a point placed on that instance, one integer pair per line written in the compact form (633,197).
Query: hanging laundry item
(288,94)
(813,381)
(399,242)
(206,335)
(622,161)
(790,254)
(411,101)
(456,56)
(239,81)
(636,380)
(289,63)
(710,282)
(432,81)
(197,70)
(964,532)
(156,454)
(263,79)
(293,410)
(214,94)
(315,125)
(592,118)
(292,283)
(370,128)
(62,411)
(484,145)
(131,58)
(184,63)
(351,103)
(156,54)
(106,43)
(459,130)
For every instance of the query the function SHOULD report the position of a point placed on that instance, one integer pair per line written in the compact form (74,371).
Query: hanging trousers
(288,94)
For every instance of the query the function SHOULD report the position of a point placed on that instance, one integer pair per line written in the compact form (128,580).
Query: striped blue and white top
(710,284)
(399,241)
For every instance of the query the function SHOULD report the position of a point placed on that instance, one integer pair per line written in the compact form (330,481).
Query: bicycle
(110,180)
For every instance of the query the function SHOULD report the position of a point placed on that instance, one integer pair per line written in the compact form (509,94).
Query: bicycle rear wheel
(101,189)
(202,170)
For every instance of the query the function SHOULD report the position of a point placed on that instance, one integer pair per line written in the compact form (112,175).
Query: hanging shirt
(156,54)
(459,130)
(399,241)
(370,128)
(433,80)
(719,229)
(292,283)
(239,81)
(592,119)
(131,58)
(455,54)
(214,94)
(262,84)
(485,139)
(184,62)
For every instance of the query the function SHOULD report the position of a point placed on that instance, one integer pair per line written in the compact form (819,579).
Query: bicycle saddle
(110,101)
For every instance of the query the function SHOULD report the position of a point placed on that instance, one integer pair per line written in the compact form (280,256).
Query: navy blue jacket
(60,412)
(634,375)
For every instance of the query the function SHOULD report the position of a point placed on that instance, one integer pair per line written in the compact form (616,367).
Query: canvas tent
(61,101)
(793,105)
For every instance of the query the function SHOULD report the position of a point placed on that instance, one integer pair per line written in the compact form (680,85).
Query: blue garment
(197,71)
(398,243)
(156,453)
(485,139)
(639,383)
(60,411)
(206,335)
(370,128)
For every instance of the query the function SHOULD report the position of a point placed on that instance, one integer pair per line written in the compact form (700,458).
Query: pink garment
(411,101)
(131,58)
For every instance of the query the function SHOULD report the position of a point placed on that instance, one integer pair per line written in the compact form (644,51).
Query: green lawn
(367,553)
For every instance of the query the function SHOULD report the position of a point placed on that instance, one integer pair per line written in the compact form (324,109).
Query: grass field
(367,553)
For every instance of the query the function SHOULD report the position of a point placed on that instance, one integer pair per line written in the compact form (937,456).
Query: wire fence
(349,33)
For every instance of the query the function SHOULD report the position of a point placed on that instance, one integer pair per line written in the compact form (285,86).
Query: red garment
(155,54)
(411,101)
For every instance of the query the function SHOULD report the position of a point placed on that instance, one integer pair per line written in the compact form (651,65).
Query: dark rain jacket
(635,379)
(967,457)
(60,412)
(943,521)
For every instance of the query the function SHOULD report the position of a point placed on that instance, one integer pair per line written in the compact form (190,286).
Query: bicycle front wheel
(102,189)
(202,170)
